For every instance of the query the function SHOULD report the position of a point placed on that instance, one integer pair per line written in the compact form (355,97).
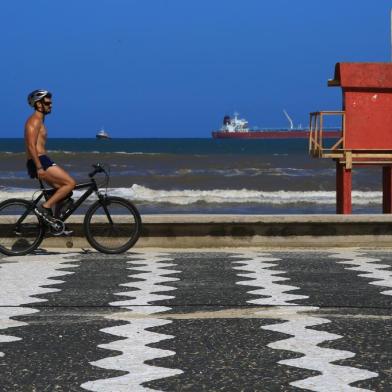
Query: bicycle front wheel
(112,225)
(22,230)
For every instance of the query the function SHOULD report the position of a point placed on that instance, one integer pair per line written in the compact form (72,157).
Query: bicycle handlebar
(97,169)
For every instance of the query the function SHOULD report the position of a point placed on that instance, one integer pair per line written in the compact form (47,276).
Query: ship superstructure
(102,134)
(234,124)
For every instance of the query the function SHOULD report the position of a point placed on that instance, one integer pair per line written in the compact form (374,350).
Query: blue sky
(174,68)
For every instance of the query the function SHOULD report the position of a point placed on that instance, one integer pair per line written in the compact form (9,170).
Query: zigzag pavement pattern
(304,340)
(381,273)
(135,351)
(14,292)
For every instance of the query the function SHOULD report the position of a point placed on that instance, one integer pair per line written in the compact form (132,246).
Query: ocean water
(200,175)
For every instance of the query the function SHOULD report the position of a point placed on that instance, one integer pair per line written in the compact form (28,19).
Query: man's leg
(60,179)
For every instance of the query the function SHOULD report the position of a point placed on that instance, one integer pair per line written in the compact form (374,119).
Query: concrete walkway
(200,320)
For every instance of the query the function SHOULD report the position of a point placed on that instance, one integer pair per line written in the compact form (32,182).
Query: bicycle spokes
(112,225)
(22,230)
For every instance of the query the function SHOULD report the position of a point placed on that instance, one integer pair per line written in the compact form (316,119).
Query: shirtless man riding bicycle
(39,165)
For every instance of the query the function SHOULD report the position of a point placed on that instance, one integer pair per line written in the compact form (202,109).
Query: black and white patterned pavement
(243,320)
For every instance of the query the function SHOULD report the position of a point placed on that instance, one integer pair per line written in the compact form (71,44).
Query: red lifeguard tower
(366,132)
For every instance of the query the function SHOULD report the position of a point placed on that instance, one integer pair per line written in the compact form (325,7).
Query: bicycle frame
(92,187)
(46,193)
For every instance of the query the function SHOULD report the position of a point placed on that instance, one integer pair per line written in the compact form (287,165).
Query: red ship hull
(276,134)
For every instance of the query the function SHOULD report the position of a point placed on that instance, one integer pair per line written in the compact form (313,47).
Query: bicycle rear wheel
(112,225)
(22,230)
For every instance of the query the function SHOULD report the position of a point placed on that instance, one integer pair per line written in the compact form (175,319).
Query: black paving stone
(59,342)
(329,283)
(96,280)
(218,354)
(371,340)
(225,355)
(55,352)
(207,281)
(385,257)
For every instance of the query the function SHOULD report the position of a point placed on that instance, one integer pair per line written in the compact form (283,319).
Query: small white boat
(102,134)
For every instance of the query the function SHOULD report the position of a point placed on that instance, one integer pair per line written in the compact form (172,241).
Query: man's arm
(31,136)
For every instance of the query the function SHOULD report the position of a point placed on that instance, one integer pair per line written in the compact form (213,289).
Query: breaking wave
(139,193)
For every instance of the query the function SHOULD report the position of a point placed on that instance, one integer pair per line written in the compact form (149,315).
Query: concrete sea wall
(198,231)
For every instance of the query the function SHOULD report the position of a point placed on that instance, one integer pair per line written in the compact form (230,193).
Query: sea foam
(139,193)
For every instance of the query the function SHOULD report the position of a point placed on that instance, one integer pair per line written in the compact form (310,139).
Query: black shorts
(45,162)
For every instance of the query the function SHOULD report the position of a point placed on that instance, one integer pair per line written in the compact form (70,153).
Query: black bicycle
(111,224)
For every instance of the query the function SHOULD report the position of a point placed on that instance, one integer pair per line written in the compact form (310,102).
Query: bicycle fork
(104,204)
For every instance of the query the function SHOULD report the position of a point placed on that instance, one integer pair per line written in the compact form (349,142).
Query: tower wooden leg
(387,190)
(343,189)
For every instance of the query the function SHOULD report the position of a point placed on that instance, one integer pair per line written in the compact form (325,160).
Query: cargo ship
(237,128)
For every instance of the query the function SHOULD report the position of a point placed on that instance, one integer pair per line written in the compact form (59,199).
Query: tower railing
(337,149)
(318,147)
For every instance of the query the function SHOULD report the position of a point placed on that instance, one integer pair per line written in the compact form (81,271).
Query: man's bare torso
(41,134)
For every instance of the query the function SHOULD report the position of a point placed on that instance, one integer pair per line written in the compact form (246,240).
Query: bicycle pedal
(49,221)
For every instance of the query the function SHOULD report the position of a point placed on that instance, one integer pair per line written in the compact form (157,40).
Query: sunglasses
(47,103)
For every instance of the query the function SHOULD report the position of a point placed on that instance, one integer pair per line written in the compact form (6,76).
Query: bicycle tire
(103,235)
(21,238)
